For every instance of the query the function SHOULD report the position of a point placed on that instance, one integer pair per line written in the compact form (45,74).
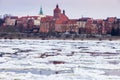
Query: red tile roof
(58,21)
(72,21)
(14,17)
(63,17)
(47,18)
(26,17)
(111,19)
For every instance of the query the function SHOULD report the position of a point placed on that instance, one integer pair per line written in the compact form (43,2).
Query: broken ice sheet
(62,60)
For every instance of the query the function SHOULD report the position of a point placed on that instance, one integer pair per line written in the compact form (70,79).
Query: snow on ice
(59,60)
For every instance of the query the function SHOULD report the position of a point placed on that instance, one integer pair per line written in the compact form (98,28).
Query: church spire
(41,11)
(57,6)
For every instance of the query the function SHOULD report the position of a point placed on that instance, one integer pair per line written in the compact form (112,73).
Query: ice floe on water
(59,59)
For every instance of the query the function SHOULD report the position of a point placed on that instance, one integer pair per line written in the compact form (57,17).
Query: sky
(74,9)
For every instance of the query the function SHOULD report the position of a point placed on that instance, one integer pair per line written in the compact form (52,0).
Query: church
(55,23)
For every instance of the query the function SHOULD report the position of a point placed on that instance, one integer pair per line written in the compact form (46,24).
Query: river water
(59,59)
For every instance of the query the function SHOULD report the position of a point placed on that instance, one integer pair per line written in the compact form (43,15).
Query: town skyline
(98,9)
(59,24)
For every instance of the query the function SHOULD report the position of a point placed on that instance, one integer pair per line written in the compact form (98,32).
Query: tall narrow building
(41,11)
(57,12)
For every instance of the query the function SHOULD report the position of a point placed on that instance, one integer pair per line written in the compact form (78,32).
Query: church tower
(57,12)
(41,11)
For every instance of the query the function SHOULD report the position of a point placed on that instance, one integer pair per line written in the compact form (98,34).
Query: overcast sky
(73,8)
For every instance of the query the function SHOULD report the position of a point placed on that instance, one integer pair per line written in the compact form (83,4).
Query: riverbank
(60,37)
(37,38)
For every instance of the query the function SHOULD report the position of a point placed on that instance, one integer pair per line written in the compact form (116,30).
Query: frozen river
(59,60)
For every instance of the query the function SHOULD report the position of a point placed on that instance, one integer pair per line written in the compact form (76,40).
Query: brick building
(55,23)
